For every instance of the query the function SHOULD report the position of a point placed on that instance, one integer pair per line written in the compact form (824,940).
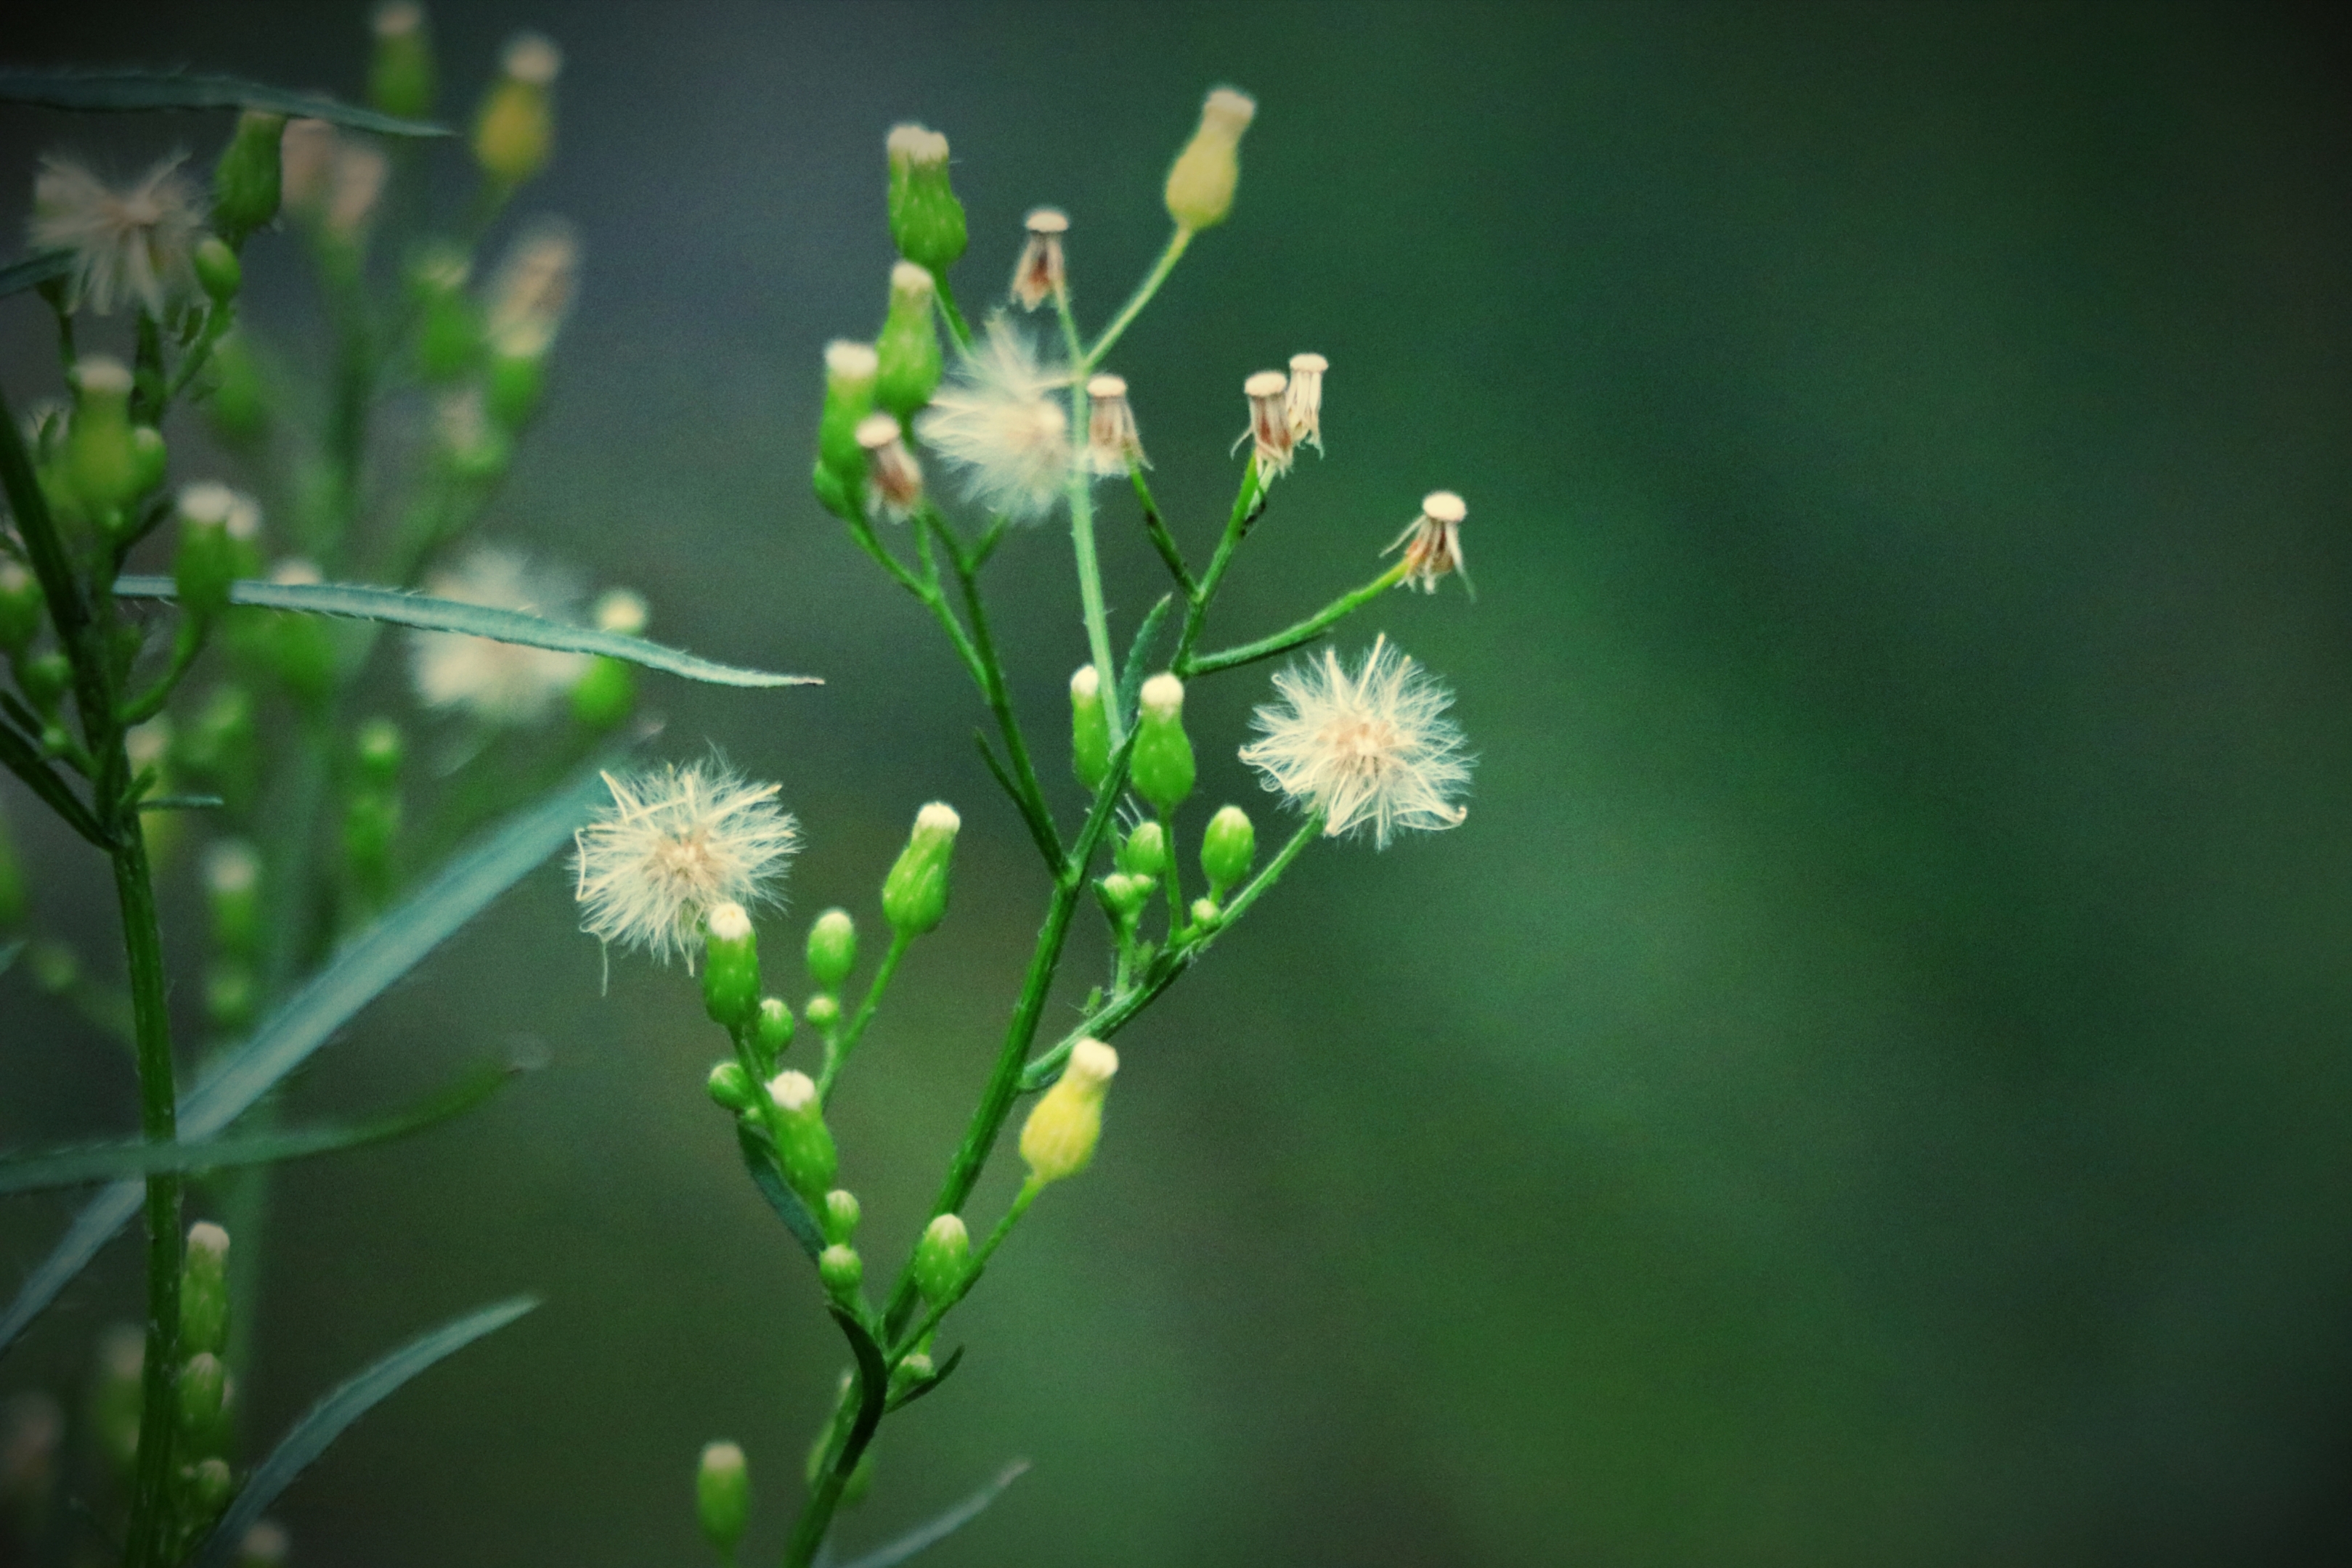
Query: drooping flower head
(1432,542)
(498,682)
(1302,405)
(997,421)
(894,480)
(1041,273)
(132,245)
(1367,748)
(1269,427)
(676,843)
(1112,440)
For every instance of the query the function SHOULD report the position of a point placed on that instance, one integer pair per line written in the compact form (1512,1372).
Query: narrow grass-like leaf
(873,1378)
(32,271)
(357,602)
(374,960)
(111,1162)
(761,1160)
(121,90)
(16,754)
(182,803)
(331,1417)
(1139,659)
(926,1536)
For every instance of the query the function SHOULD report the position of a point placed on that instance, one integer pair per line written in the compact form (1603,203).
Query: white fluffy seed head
(1443,507)
(675,845)
(1091,1062)
(998,422)
(1163,697)
(791,1090)
(129,245)
(1370,748)
(498,682)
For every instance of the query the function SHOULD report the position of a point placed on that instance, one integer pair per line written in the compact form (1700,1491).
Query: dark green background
(1869,1082)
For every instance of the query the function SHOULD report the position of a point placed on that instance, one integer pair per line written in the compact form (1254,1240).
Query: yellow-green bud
(732,1087)
(99,464)
(605,694)
(149,458)
(1201,185)
(1204,912)
(377,748)
(722,1495)
(842,1272)
(914,1369)
(400,75)
(206,563)
(850,370)
(1227,848)
(926,219)
(245,182)
(771,1030)
(1161,768)
(840,1216)
(201,1393)
(915,893)
(203,1290)
(218,271)
(209,1485)
(1066,1123)
(909,348)
(832,948)
(43,678)
(237,407)
(803,1142)
(1089,729)
(730,967)
(823,1011)
(942,1259)
(1144,852)
(510,393)
(21,604)
(515,130)
(1125,895)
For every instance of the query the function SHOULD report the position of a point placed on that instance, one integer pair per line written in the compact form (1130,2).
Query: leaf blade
(32,271)
(1139,657)
(117,91)
(923,1537)
(761,1165)
(333,1415)
(19,758)
(359,601)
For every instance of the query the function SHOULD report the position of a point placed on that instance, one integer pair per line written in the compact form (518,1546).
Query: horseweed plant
(235,730)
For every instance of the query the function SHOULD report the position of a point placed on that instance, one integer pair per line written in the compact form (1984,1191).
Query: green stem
(1082,521)
(217,320)
(1127,312)
(957,328)
(938,1310)
(837,1056)
(1029,793)
(1156,528)
(1290,637)
(185,646)
(1248,501)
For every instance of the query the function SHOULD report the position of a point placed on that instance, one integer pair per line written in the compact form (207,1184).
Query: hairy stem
(1293,636)
(1127,312)
(837,1056)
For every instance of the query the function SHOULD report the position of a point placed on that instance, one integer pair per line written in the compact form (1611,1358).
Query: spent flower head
(128,244)
(1302,405)
(1269,427)
(532,292)
(1041,273)
(1112,441)
(1367,748)
(996,421)
(497,682)
(676,843)
(1433,541)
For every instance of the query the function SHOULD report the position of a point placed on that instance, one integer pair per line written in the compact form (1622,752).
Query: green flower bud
(605,695)
(832,493)
(841,1216)
(1201,185)
(202,1395)
(231,994)
(209,1486)
(772,1028)
(246,186)
(1089,729)
(915,893)
(722,1496)
(43,678)
(926,219)
(377,748)
(823,1011)
(914,1369)
(300,648)
(942,1259)
(1144,852)
(832,948)
(203,1290)
(218,272)
(99,465)
(511,391)
(149,458)
(1058,1140)
(850,371)
(730,967)
(1160,767)
(514,132)
(732,1087)
(399,73)
(1227,848)
(909,348)
(803,1142)
(54,967)
(1204,912)
(450,331)
(206,562)
(842,1272)
(1125,895)
(237,407)
(21,607)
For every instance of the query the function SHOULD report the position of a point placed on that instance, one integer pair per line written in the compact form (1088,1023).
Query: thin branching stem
(1297,635)
(1177,243)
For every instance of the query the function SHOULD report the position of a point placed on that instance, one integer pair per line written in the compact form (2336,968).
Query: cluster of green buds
(107,462)
(372,814)
(202,1386)
(232,879)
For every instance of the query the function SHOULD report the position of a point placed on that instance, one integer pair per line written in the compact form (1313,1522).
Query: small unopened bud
(1040,274)
(1433,541)
(218,272)
(942,1259)
(832,948)
(803,1142)
(823,1010)
(1059,1137)
(1302,405)
(915,1368)
(1112,443)
(850,370)
(722,1496)
(771,1030)
(1089,729)
(247,181)
(841,1216)
(400,75)
(203,1290)
(239,407)
(209,1486)
(915,893)
(1161,764)
(732,1087)
(1125,893)
(201,1393)
(1228,845)
(842,1272)
(204,563)
(925,220)
(99,462)
(730,969)
(515,130)
(43,678)
(909,348)
(21,607)
(1204,912)
(1269,431)
(894,480)
(1144,852)
(1201,185)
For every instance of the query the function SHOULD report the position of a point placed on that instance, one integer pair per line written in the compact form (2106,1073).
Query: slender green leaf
(873,1380)
(331,1417)
(357,602)
(111,1162)
(1139,659)
(761,1160)
(32,271)
(16,754)
(929,1535)
(112,91)
(182,803)
(374,960)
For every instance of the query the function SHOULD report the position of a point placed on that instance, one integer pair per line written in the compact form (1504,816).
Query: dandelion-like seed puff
(997,421)
(498,682)
(675,843)
(1370,748)
(128,244)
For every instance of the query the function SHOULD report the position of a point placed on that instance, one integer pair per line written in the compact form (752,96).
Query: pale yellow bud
(1059,1137)
(1201,185)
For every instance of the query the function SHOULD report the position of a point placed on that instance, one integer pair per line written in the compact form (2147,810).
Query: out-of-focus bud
(1205,912)
(909,348)
(1144,852)
(841,1216)
(43,678)
(1089,729)
(361,172)
(1161,766)
(264,1546)
(100,461)
(832,948)
(803,1142)
(730,969)
(732,1087)
(217,743)
(302,650)
(307,153)
(515,130)
(209,1486)
(894,480)
(115,1395)
(400,73)
(378,749)
(722,1496)
(942,1259)
(202,1393)
(1228,847)
(1200,183)
(1059,1138)
(823,1011)
(203,1290)
(204,564)
(842,1272)
(529,301)
(926,219)
(14,900)
(448,324)
(21,607)
(915,893)
(850,373)
(246,180)
(238,406)
(772,1028)
(1041,273)
(475,448)
(217,269)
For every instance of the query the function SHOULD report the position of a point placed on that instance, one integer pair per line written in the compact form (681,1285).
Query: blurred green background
(1868,1083)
